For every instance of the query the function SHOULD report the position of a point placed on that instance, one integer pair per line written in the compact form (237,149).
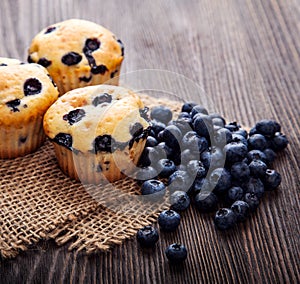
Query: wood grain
(245,54)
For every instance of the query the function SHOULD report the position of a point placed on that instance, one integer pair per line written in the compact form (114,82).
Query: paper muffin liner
(103,167)
(21,140)
(67,81)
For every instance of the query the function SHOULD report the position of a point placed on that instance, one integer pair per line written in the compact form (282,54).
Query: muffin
(78,53)
(9,61)
(98,132)
(26,92)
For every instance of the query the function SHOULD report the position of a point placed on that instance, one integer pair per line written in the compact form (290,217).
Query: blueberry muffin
(78,53)
(98,132)
(9,61)
(26,92)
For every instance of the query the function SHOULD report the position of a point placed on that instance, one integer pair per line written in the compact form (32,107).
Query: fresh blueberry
(216,121)
(278,142)
(176,253)
(151,155)
(179,180)
(271,180)
(179,201)
(196,169)
(187,155)
(257,168)
(213,158)
(252,200)
(32,86)
(234,193)
(191,140)
(270,156)
(188,106)
(200,185)
(267,127)
(220,179)
(240,172)
(153,186)
(198,109)
(147,236)
(253,131)
(217,115)
(222,137)
(239,138)
(161,113)
(257,142)
(151,142)
(206,201)
(242,132)
(168,220)
(255,185)
(157,126)
(241,210)
(256,155)
(172,136)
(235,152)
(184,124)
(165,167)
(184,115)
(232,126)
(203,125)
(169,152)
(225,219)
(145,173)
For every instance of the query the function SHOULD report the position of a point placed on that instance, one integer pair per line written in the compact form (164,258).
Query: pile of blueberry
(199,157)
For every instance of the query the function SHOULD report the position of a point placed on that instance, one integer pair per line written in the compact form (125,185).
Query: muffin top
(96,118)
(9,61)
(78,45)
(26,91)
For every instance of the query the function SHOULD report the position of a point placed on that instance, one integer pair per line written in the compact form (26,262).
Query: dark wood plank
(245,54)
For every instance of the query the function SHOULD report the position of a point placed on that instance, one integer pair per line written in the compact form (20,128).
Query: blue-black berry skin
(188,106)
(242,132)
(267,127)
(153,186)
(151,141)
(198,109)
(252,200)
(270,156)
(179,200)
(235,152)
(241,210)
(147,236)
(206,201)
(279,142)
(172,136)
(239,138)
(257,168)
(225,219)
(255,185)
(222,137)
(213,158)
(145,173)
(220,179)
(176,253)
(179,180)
(165,167)
(161,113)
(196,169)
(234,193)
(257,142)
(256,155)
(168,220)
(271,180)
(240,172)
(203,125)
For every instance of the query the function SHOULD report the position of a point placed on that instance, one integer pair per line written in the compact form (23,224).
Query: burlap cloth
(37,201)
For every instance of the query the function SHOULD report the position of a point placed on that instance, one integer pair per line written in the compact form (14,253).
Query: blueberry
(257,142)
(179,200)
(92,44)
(187,155)
(267,127)
(234,193)
(99,69)
(252,200)
(220,179)
(32,86)
(168,152)
(71,58)
(203,125)
(239,138)
(240,172)
(271,180)
(241,210)
(151,142)
(14,105)
(145,173)
(165,167)
(136,129)
(168,220)
(144,113)
(151,155)
(188,106)
(196,169)
(147,236)
(222,137)
(217,115)
(206,201)
(49,30)
(242,132)
(103,143)
(200,185)
(179,180)
(64,139)
(121,46)
(171,135)
(157,126)
(44,62)
(225,219)
(184,124)
(216,121)
(161,113)
(100,99)
(74,116)
(278,142)
(198,109)
(255,185)
(257,168)
(270,156)
(235,152)
(184,115)
(253,131)
(176,253)
(232,126)
(153,187)
(191,140)
(213,158)
(256,155)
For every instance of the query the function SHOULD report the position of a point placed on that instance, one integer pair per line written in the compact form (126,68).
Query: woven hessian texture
(37,201)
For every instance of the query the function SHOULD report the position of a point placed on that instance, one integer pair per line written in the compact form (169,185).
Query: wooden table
(245,54)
